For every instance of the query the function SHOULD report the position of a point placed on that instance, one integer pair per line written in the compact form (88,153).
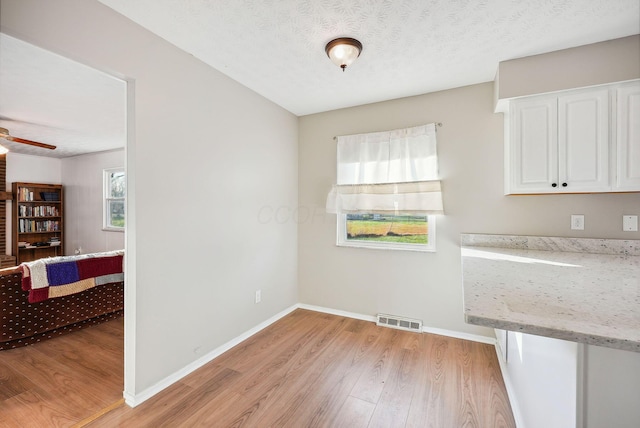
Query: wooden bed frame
(23,323)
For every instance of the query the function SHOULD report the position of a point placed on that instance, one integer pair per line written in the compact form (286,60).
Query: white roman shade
(387,172)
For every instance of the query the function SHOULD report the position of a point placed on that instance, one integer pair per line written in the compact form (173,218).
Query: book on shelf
(39,211)
(25,195)
(28,226)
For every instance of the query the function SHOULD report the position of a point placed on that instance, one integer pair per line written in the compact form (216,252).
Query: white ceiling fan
(4,133)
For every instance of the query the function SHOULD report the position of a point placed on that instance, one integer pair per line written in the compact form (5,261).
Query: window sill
(388,246)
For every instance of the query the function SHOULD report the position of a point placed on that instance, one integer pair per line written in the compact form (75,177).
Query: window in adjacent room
(114,194)
(387,192)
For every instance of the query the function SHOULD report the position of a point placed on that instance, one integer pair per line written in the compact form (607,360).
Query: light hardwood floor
(312,370)
(62,381)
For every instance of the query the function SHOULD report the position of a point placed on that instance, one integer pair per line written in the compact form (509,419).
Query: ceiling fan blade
(31,143)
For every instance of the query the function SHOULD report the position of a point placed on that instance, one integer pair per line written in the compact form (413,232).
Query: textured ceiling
(51,99)
(276,48)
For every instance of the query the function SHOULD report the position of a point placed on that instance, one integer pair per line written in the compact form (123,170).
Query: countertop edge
(588,339)
(628,247)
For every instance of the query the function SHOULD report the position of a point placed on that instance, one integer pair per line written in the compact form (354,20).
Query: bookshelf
(38,221)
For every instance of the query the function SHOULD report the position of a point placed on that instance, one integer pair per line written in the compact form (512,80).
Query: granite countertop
(583,290)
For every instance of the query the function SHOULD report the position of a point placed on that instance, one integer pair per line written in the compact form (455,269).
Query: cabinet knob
(554,185)
(564,184)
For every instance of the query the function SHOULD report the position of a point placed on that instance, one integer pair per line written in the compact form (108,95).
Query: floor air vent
(399,322)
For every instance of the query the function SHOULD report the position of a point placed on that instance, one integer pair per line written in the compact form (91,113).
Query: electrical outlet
(577,222)
(258,296)
(630,223)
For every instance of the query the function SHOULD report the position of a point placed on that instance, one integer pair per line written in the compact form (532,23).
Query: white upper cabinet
(534,148)
(564,143)
(628,137)
(583,142)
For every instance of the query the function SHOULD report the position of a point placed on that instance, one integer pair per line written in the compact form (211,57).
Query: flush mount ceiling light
(343,51)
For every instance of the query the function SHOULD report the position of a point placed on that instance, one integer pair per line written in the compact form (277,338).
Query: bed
(23,322)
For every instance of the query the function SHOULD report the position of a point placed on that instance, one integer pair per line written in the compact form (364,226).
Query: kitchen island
(567,318)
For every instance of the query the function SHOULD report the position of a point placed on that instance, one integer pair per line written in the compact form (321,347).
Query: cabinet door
(501,341)
(628,138)
(583,142)
(534,146)
(611,388)
(543,373)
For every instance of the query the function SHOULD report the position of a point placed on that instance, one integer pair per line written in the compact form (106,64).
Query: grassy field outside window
(387,231)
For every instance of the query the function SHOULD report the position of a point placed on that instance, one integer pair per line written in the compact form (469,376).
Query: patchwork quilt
(62,276)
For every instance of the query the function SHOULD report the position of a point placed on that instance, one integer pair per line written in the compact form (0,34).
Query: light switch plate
(630,223)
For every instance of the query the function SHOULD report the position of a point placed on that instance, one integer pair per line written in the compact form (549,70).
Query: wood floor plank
(278,364)
(496,409)
(262,345)
(468,415)
(370,385)
(418,412)
(332,387)
(301,403)
(145,413)
(8,422)
(354,413)
(87,359)
(108,336)
(336,386)
(394,404)
(212,394)
(12,382)
(37,408)
(56,378)
(440,407)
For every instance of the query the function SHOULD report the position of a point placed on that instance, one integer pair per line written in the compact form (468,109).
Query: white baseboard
(134,400)
(337,312)
(432,330)
(511,393)
(460,335)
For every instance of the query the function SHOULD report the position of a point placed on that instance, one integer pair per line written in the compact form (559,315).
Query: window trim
(106,199)
(341,241)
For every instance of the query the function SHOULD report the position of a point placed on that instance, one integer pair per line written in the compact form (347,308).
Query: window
(403,232)
(387,191)
(114,193)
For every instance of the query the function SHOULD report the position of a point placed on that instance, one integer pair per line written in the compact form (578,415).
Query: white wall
(28,169)
(206,155)
(83,197)
(428,286)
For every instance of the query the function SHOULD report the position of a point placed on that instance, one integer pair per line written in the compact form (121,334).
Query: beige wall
(428,286)
(205,155)
(29,169)
(595,64)
(82,177)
